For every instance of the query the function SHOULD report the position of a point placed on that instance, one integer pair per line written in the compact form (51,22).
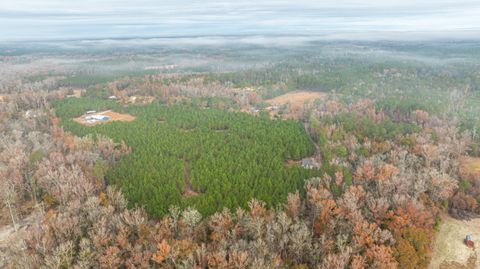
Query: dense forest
(231,157)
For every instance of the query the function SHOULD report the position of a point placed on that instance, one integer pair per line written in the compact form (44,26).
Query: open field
(296,99)
(114,116)
(449,249)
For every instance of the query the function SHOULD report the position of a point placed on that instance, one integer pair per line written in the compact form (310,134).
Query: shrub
(465,185)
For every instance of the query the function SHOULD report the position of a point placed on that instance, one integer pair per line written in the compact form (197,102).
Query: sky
(22,20)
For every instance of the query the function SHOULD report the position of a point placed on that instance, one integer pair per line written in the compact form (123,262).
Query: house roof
(309,162)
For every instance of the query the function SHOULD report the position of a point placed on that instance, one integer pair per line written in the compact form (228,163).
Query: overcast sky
(64,19)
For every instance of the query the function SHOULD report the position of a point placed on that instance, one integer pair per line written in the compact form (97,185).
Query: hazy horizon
(28,20)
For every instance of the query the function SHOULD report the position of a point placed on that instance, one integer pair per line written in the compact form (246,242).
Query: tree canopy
(228,158)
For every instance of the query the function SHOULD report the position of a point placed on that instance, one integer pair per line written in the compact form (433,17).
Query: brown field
(296,99)
(114,116)
(470,167)
(449,251)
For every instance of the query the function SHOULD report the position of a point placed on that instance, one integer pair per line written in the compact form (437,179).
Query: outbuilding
(310,163)
(469,241)
(100,117)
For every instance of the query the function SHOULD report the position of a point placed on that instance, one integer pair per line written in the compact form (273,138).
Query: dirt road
(188,186)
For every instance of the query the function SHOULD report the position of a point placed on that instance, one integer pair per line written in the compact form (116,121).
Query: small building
(469,241)
(98,117)
(90,112)
(102,117)
(310,163)
(93,118)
